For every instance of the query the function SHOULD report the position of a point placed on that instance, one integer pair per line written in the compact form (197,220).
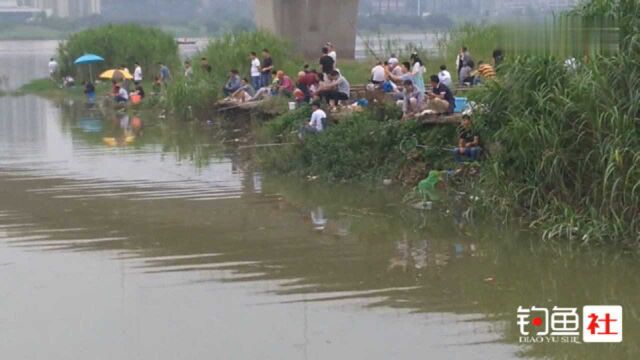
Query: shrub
(118,44)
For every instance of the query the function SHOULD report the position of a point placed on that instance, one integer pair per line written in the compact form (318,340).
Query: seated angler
(318,121)
(469,148)
(485,72)
(412,102)
(245,93)
(335,90)
(440,98)
(285,85)
(122,96)
(233,83)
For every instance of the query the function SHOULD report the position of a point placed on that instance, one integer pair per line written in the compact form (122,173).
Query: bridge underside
(309,24)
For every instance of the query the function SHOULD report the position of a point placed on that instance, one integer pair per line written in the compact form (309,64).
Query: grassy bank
(371,145)
(53,90)
(569,160)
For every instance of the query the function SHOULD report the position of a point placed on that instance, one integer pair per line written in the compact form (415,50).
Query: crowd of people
(325,83)
(405,81)
(402,81)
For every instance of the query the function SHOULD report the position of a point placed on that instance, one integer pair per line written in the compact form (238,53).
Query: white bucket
(292,105)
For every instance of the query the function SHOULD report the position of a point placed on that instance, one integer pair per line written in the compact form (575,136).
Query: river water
(175,247)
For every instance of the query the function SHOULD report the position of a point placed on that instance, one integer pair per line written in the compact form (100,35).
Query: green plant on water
(118,45)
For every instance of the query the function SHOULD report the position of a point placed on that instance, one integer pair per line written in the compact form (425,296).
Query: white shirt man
(137,74)
(332,53)
(53,67)
(255,67)
(445,78)
(317,120)
(378,74)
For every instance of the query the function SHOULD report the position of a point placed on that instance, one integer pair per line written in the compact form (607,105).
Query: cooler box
(462,103)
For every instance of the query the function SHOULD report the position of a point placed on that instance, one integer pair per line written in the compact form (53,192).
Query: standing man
(327,63)
(137,74)
(267,68)
(53,68)
(464,64)
(332,53)
(255,71)
(165,74)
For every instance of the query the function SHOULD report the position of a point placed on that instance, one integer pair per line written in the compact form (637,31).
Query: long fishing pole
(365,41)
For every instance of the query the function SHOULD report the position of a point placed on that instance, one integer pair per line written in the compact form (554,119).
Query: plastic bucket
(135,99)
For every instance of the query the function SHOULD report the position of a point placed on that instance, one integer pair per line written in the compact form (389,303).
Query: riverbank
(526,175)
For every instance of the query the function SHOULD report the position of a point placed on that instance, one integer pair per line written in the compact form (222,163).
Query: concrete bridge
(309,24)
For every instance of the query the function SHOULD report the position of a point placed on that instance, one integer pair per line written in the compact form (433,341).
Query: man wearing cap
(394,66)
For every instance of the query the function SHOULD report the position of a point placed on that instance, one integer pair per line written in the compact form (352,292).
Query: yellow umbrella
(114,74)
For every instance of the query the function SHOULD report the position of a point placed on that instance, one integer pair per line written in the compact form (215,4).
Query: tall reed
(231,51)
(118,44)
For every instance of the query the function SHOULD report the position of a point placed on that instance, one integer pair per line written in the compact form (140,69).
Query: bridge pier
(309,24)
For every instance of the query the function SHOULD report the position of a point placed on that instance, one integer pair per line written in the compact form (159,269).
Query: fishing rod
(365,41)
(263,145)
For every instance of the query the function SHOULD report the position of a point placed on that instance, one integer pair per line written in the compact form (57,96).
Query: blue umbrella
(88,59)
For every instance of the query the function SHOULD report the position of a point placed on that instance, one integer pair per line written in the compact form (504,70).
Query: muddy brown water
(175,247)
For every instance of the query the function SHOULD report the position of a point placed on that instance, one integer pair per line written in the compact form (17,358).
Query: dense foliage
(569,158)
(364,145)
(118,44)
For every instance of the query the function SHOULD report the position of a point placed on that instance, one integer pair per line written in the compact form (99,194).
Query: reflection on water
(172,246)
